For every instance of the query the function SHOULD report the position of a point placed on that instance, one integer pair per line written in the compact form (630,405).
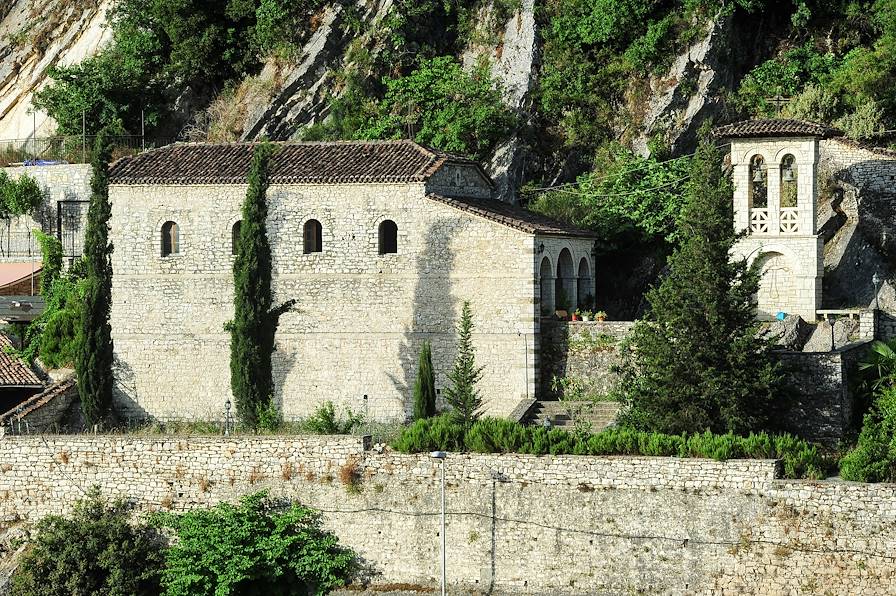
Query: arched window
(585,290)
(788,182)
(758,183)
(546,296)
(170,239)
(313,233)
(388,237)
(235,237)
(564,288)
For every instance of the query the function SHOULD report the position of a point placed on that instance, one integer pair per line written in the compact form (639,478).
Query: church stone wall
(515,523)
(360,317)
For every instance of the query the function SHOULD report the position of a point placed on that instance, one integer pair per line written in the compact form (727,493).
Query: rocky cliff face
(34,36)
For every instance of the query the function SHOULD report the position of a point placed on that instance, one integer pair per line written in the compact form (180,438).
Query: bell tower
(775,204)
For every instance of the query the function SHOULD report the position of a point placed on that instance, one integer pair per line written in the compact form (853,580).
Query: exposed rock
(825,339)
(689,93)
(791,333)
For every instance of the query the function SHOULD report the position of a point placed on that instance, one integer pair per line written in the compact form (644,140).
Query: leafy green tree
(93,364)
(695,361)
(256,547)
(51,261)
(462,394)
(96,550)
(425,385)
(874,457)
(254,321)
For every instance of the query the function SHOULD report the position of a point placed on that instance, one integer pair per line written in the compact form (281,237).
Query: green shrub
(256,547)
(874,457)
(20,196)
(492,435)
(325,420)
(96,550)
(462,394)
(425,384)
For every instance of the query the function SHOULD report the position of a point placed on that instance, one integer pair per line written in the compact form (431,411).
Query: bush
(256,547)
(425,385)
(94,551)
(874,457)
(19,197)
(492,435)
(325,420)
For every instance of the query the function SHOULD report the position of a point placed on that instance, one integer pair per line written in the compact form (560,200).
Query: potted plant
(600,316)
(577,316)
(587,315)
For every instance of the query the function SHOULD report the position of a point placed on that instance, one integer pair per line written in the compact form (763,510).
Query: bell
(757,175)
(787,174)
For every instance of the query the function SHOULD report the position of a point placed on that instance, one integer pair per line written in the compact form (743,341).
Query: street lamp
(876,280)
(227,418)
(441,455)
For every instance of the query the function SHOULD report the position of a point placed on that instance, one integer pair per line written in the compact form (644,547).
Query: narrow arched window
(758,183)
(313,236)
(388,237)
(235,238)
(170,239)
(789,196)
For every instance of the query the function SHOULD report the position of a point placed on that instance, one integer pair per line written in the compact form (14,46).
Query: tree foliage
(695,362)
(96,550)
(425,384)
(874,457)
(256,547)
(93,363)
(19,196)
(462,394)
(254,321)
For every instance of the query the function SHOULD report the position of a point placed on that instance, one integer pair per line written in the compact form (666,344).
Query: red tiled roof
(775,128)
(13,371)
(41,399)
(293,163)
(513,216)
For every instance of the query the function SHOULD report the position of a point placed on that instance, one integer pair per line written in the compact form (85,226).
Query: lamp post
(227,418)
(441,455)
(876,280)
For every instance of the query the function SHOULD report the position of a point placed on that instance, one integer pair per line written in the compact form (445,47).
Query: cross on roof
(779,102)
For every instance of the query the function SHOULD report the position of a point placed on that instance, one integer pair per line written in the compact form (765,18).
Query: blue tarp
(43,162)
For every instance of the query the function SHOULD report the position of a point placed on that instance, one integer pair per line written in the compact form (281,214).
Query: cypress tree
(254,321)
(695,361)
(425,385)
(93,363)
(462,395)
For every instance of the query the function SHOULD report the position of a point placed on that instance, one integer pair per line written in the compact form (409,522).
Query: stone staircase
(563,414)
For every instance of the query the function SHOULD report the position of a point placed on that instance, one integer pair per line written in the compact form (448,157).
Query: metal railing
(71,149)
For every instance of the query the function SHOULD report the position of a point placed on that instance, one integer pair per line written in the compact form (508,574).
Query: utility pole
(441,455)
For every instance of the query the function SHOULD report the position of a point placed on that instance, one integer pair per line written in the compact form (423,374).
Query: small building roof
(14,273)
(513,216)
(13,371)
(37,401)
(294,163)
(775,128)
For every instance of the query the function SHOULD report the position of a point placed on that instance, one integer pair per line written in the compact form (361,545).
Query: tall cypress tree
(254,321)
(462,395)
(695,362)
(93,363)
(425,385)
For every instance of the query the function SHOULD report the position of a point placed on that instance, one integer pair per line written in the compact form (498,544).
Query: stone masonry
(515,523)
(360,316)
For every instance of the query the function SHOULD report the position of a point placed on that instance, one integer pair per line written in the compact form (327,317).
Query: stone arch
(797,154)
(789,176)
(585,285)
(545,287)
(312,236)
(758,182)
(750,153)
(564,283)
(778,288)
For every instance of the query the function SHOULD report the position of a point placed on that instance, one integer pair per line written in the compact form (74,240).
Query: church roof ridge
(775,127)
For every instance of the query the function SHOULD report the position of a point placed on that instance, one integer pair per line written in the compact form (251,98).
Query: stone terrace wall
(516,523)
(580,350)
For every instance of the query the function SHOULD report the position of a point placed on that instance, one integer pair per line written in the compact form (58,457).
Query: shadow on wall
(433,312)
(125,395)
(856,219)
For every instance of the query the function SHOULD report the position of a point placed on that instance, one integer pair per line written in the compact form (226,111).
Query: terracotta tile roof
(775,128)
(513,216)
(13,371)
(293,163)
(41,399)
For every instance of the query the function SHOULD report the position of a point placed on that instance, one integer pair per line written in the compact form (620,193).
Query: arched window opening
(235,237)
(564,285)
(546,297)
(170,239)
(313,236)
(789,196)
(758,183)
(585,289)
(388,237)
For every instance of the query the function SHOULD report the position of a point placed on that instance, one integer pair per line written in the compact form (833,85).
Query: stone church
(379,243)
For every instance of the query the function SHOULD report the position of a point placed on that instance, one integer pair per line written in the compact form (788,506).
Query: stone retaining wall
(516,523)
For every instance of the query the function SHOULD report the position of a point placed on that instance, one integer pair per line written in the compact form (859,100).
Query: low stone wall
(584,352)
(515,524)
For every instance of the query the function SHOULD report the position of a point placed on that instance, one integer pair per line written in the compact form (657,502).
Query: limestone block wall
(64,182)
(515,523)
(585,351)
(360,317)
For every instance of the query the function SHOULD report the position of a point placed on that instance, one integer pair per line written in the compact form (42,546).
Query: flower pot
(575,317)
(586,318)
